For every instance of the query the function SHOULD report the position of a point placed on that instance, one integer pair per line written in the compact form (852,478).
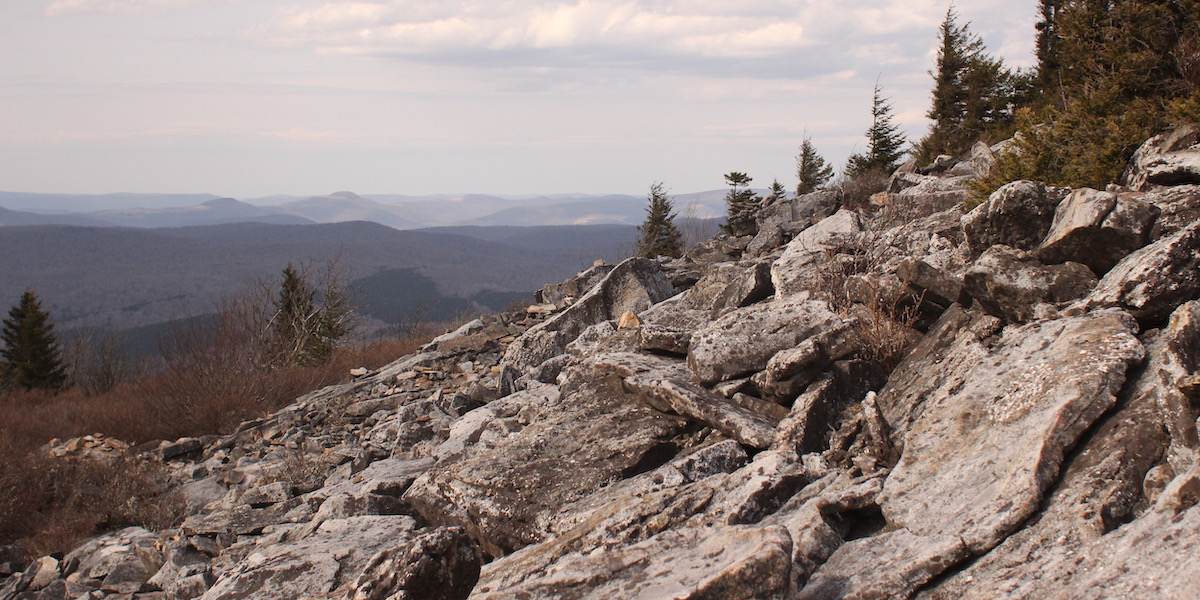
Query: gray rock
(816,413)
(574,287)
(778,223)
(888,565)
(1172,158)
(435,564)
(935,288)
(744,562)
(632,286)
(121,561)
(1010,283)
(313,565)
(743,341)
(506,492)
(1097,229)
(1018,215)
(668,386)
(792,273)
(1179,206)
(1154,280)
(989,442)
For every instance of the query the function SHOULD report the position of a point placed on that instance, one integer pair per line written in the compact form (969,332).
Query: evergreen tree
(659,235)
(973,94)
(740,192)
(884,140)
(811,169)
(307,325)
(1114,72)
(31,358)
(777,192)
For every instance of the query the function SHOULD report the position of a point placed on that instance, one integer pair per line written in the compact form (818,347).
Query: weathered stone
(792,273)
(1010,284)
(574,287)
(743,562)
(313,565)
(815,414)
(743,341)
(668,387)
(932,285)
(1097,229)
(789,371)
(504,493)
(634,285)
(988,442)
(1154,280)
(435,564)
(1018,215)
(781,221)
(1172,158)
(120,561)
(266,495)
(888,565)
(1179,206)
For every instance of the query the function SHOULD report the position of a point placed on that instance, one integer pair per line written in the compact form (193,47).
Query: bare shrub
(884,329)
(855,192)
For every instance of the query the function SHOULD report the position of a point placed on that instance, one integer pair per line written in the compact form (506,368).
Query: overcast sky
(247,98)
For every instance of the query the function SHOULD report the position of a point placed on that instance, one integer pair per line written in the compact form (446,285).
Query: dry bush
(884,331)
(855,192)
(51,504)
(209,386)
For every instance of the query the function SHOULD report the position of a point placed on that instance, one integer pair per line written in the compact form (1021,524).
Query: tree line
(299,321)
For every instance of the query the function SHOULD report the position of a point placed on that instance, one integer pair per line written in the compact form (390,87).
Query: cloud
(123,7)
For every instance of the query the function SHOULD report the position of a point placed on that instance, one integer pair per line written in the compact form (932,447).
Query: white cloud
(123,7)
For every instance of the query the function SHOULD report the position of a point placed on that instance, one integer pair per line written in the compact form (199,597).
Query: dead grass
(50,504)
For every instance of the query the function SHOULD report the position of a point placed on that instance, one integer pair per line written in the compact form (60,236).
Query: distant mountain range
(142,279)
(397,212)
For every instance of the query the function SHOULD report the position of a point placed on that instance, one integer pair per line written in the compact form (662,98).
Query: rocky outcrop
(1172,158)
(912,403)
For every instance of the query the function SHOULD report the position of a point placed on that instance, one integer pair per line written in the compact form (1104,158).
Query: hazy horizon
(255,98)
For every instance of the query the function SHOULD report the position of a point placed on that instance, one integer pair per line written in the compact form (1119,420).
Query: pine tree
(305,325)
(740,192)
(659,235)
(811,169)
(973,94)
(884,140)
(1113,74)
(31,358)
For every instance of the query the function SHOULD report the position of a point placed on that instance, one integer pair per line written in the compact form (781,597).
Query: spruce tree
(811,169)
(740,192)
(659,235)
(1113,74)
(306,324)
(31,358)
(973,94)
(885,143)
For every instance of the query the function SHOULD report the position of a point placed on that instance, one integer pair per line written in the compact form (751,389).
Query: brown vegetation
(210,383)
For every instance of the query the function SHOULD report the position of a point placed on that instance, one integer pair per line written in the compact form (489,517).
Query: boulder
(667,386)
(1097,229)
(1154,280)
(119,562)
(743,341)
(574,287)
(1171,158)
(778,223)
(634,285)
(792,273)
(1018,214)
(504,492)
(435,564)
(741,562)
(989,441)
(1179,207)
(332,555)
(816,413)
(1010,283)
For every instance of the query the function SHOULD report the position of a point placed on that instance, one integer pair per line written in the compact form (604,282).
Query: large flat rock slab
(978,460)
(743,341)
(506,492)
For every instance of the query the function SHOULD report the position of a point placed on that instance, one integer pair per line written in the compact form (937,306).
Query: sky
(249,98)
